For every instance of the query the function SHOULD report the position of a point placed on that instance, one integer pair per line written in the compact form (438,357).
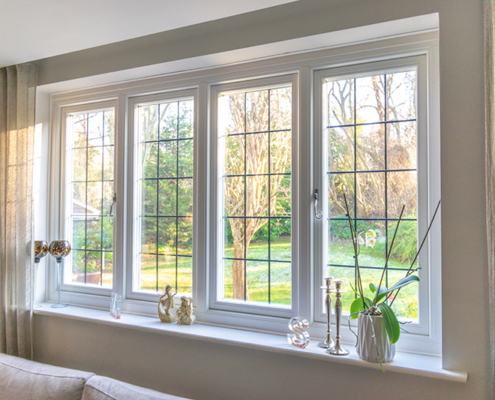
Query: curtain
(17,113)
(490,168)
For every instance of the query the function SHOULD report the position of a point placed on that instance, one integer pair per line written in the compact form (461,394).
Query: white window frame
(134,240)
(306,292)
(62,170)
(426,203)
(216,203)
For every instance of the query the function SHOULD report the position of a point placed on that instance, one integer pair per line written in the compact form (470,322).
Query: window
(253,135)
(374,153)
(255,140)
(371,135)
(165,196)
(242,150)
(90,191)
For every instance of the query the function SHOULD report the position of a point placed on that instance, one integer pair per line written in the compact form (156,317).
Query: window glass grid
(265,220)
(92,257)
(389,221)
(169,253)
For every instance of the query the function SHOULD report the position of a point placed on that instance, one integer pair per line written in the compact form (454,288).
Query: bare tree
(253,193)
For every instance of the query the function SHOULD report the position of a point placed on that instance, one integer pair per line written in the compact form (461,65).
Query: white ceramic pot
(366,347)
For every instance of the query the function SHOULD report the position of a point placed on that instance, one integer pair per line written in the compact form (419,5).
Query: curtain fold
(490,168)
(17,122)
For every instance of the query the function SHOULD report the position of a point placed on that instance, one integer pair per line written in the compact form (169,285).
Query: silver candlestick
(328,342)
(337,349)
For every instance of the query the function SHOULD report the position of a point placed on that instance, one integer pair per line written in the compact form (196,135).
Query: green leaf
(383,289)
(403,282)
(391,323)
(357,306)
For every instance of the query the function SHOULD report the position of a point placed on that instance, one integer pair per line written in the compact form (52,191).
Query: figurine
(184,313)
(165,304)
(300,338)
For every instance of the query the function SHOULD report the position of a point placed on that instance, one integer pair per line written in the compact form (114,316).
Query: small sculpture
(300,338)
(165,304)
(184,313)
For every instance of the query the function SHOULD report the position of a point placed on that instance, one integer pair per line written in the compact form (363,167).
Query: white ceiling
(34,29)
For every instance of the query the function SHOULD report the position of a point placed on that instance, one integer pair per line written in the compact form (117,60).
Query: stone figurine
(165,304)
(184,313)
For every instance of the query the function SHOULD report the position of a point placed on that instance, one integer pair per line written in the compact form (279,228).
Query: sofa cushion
(22,379)
(102,388)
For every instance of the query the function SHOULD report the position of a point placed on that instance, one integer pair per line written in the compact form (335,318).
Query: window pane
(370,147)
(339,95)
(341,149)
(92,164)
(401,96)
(401,145)
(165,182)
(256,182)
(372,160)
(370,99)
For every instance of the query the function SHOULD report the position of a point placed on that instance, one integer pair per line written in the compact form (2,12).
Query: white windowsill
(413,364)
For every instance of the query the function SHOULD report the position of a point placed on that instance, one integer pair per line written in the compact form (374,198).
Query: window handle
(318,214)
(111,206)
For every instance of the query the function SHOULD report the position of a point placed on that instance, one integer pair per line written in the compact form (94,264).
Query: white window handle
(318,214)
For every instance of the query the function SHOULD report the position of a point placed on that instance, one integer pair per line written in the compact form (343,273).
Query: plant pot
(91,277)
(371,349)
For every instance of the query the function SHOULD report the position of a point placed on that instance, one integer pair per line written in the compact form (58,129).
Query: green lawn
(280,273)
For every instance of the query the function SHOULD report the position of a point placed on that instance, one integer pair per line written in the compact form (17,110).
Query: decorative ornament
(40,250)
(165,303)
(116,305)
(184,313)
(300,338)
(337,349)
(328,342)
(59,249)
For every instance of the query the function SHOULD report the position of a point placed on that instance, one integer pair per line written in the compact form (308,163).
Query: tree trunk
(238,270)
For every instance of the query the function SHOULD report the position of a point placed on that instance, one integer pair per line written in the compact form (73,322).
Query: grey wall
(212,371)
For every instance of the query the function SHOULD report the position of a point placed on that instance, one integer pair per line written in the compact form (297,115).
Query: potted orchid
(378,326)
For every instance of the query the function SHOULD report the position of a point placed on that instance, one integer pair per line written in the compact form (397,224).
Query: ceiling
(34,29)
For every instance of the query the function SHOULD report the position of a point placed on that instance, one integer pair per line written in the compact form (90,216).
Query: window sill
(413,364)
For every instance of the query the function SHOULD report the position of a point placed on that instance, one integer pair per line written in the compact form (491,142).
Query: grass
(341,252)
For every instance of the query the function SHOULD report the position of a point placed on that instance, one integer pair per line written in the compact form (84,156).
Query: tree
(250,192)
(370,142)
(380,99)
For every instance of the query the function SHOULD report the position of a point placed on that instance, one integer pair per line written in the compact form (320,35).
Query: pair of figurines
(184,315)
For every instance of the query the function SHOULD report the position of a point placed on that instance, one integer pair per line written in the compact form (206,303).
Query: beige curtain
(490,168)
(17,112)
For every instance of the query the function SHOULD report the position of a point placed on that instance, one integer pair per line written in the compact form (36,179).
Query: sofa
(22,379)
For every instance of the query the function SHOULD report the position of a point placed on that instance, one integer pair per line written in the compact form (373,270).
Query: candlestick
(337,349)
(328,342)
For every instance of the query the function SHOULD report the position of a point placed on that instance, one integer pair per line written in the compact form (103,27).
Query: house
(209,369)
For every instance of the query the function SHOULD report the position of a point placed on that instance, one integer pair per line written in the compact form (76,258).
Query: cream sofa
(28,380)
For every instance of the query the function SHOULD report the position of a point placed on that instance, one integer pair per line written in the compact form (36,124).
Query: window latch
(114,200)
(318,214)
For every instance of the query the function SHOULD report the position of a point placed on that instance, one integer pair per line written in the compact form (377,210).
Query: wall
(211,371)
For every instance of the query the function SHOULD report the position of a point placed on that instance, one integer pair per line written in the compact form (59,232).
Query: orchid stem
(419,250)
